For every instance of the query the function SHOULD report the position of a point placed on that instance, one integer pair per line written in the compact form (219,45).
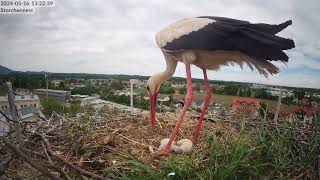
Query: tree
(166,89)
(86,90)
(49,106)
(61,85)
(143,104)
(299,94)
(231,89)
(183,90)
(216,90)
(117,85)
(75,107)
(197,87)
(263,94)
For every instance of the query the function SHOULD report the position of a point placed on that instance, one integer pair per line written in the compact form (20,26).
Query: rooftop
(307,110)
(51,90)
(237,100)
(24,111)
(21,98)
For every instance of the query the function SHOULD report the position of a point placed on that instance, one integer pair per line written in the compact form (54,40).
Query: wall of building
(55,94)
(20,103)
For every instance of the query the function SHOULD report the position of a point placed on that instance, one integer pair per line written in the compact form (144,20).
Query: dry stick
(49,166)
(51,152)
(46,152)
(13,111)
(3,114)
(133,141)
(27,159)
(34,153)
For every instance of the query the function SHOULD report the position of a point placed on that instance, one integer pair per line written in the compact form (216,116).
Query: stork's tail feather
(282,26)
(261,41)
(272,29)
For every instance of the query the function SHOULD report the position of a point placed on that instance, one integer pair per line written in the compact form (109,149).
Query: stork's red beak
(153,103)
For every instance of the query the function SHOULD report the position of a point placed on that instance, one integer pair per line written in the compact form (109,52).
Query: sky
(118,37)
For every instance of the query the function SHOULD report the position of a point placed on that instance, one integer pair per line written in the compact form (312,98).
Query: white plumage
(180,28)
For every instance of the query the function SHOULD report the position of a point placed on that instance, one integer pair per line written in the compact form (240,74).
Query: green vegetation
(3,90)
(50,105)
(117,85)
(227,100)
(183,90)
(257,153)
(108,95)
(140,90)
(86,90)
(263,94)
(243,90)
(166,89)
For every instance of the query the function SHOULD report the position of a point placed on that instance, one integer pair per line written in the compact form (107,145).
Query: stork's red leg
(188,100)
(205,107)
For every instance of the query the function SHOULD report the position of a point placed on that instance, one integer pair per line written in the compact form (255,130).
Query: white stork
(208,43)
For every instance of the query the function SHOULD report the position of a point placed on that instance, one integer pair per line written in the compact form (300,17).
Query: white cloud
(118,36)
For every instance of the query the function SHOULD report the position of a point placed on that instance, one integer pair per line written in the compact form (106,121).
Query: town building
(21,101)
(27,111)
(59,95)
(56,82)
(306,116)
(85,99)
(246,106)
(4,126)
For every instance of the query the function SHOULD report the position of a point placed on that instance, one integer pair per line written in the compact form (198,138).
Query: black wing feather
(256,40)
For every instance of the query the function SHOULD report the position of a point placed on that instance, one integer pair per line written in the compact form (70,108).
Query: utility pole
(131,94)
(278,107)
(47,84)
(13,110)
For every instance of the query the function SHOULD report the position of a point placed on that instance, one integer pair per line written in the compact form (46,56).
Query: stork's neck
(171,65)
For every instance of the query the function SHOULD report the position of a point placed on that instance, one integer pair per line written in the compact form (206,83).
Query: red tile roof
(239,100)
(307,110)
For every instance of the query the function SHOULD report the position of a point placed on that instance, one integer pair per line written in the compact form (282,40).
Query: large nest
(96,141)
(102,139)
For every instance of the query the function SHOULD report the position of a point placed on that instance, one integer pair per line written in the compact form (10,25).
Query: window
(35,105)
(21,106)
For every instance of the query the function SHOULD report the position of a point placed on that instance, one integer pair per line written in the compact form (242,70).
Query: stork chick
(163,144)
(184,146)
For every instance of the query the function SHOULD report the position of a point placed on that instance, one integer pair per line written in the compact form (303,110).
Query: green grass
(227,100)
(140,90)
(258,153)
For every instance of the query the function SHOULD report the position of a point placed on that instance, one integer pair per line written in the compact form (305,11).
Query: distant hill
(4,70)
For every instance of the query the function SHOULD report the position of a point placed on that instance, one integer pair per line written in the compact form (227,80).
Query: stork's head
(153,87)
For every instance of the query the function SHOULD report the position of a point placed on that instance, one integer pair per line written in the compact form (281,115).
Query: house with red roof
(305,115)
(246,106)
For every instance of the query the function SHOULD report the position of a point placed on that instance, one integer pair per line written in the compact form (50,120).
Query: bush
(75,108)
(166,89)
(86,90)
(51,105)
